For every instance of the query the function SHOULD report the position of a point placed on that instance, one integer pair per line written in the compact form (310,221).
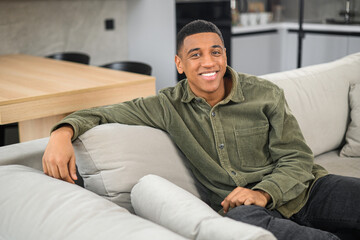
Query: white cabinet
(353,44)
(256,54)
(318,48)
(321,48)
(265,53)
(289,51)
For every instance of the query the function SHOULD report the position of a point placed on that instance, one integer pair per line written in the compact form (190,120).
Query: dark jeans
(332,212)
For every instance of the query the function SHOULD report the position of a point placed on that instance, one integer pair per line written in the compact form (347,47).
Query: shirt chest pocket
(252,146)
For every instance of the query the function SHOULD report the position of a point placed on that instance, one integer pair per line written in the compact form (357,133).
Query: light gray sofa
(138,186)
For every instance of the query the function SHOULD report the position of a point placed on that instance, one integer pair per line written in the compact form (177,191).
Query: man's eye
(216,53)
(195,55)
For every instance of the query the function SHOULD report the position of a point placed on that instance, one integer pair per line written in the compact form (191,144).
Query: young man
(241,140)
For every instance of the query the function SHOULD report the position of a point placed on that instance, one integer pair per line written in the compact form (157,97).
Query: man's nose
(207,61)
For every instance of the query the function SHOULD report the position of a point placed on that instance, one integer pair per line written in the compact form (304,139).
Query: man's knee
(252,214)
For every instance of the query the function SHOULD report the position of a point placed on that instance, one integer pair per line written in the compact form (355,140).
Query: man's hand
(243,196)
(59,157)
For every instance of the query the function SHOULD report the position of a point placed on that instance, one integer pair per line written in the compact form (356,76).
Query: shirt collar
(235,95)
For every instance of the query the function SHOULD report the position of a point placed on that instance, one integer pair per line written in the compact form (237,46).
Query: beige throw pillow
(352,145)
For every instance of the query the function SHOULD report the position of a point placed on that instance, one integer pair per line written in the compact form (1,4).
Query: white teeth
(209,74)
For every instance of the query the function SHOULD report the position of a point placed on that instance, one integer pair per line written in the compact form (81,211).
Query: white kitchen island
(263,49)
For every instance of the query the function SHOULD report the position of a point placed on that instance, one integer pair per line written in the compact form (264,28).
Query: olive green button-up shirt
(249,139)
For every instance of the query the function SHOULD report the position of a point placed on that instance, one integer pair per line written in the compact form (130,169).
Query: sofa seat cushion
(35,206)
(335,164)
(318,98)
(164,203)
(111,158)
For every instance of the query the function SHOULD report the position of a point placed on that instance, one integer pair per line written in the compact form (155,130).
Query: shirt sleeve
(141,111)
(294,159)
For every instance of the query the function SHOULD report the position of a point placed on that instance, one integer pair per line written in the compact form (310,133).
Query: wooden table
(37,92)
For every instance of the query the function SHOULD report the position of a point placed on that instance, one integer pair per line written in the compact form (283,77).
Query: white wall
(42,27)
(152,37)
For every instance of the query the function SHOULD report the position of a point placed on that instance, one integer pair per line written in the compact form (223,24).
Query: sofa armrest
(35,206)
(27,153)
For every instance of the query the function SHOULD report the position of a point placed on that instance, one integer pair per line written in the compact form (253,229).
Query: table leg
(37,128)
(2,135)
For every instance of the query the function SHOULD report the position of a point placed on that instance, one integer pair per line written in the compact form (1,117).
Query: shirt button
(233,172)
(213,114)
(221,146)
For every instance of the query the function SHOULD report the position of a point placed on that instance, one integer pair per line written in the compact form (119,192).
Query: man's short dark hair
(194,27)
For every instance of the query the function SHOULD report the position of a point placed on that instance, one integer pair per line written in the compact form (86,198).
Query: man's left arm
(294,162)
(293,157)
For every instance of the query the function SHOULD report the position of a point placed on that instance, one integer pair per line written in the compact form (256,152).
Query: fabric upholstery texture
(57,210)
(111,158)
(26,153)
(336,164)
(352,145)
(164,203)
(318,97)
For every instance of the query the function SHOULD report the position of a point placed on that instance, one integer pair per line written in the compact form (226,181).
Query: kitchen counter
(313,27)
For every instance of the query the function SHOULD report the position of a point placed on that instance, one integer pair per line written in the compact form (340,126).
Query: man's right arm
(59,157)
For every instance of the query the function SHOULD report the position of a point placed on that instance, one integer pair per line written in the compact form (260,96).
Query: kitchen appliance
(348,15)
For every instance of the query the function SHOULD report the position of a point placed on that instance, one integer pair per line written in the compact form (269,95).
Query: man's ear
(178,64)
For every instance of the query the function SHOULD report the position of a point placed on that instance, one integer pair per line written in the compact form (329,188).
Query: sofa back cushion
(318,98)
(111,158)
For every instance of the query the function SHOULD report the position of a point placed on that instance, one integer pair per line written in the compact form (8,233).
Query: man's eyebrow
(193,50)
(197,49)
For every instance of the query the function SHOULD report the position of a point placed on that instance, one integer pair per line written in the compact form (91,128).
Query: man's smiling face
(203,60)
